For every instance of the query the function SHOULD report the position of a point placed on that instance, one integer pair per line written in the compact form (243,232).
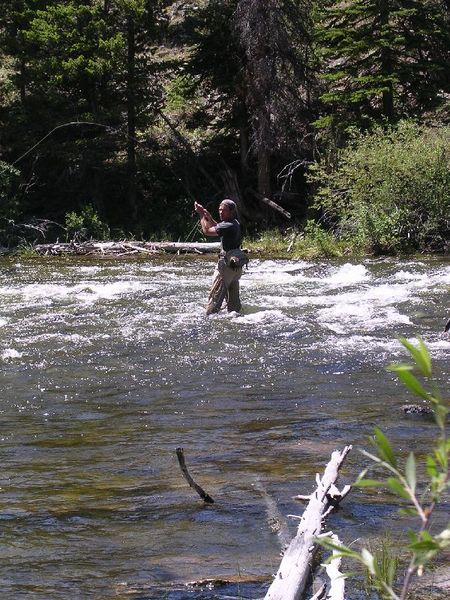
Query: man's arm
(207,223)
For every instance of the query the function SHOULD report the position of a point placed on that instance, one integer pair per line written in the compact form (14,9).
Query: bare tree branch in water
(200,491)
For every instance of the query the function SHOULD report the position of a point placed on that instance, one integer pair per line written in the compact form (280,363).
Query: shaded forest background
(116,114)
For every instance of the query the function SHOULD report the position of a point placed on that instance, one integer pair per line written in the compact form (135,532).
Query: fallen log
(124,248)
(296,566)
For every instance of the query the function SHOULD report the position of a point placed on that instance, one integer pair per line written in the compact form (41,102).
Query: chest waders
(225,286)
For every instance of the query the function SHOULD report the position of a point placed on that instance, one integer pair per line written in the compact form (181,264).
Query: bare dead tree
(275,38)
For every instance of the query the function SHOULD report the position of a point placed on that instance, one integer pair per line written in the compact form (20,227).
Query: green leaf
(340,549)
(384,448)
(426,536)
(408,512)
(411,382)
(431,467)
(368,560)
(425,546)
(412,536)
(396,486)
(410,471)
(420,355)
(368,483)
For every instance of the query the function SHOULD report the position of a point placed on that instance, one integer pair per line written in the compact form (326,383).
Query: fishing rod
(111,129)
(69,124)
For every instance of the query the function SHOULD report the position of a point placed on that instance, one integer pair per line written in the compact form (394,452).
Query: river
(108,365)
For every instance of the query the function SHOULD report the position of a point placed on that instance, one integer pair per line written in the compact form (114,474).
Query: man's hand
(199,209)
(207,223)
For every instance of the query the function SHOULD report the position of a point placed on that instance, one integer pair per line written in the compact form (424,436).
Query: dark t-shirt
(230,234)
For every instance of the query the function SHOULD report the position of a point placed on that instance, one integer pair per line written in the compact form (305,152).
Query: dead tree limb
(272,204)
(320,594)
(336,577)
(200,491)
(295,568)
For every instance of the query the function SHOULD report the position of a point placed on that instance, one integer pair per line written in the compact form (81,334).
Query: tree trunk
(386,64)
(22,81)
(131,117)
(264,133)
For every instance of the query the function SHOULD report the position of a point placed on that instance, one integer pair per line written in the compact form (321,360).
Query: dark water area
(109,365)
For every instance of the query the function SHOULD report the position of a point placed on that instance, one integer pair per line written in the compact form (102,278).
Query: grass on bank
(308,243)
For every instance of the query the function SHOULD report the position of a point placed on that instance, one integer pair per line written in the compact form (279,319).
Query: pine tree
(383,59)
(91,62)
(257,55)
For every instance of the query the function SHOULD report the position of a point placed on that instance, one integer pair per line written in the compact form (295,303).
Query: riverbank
(310,243)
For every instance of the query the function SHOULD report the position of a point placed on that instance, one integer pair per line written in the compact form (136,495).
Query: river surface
(108,365)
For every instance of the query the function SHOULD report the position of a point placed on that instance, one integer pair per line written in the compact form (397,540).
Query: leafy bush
(85,225)
(389,189)
(180,92)
(403,481)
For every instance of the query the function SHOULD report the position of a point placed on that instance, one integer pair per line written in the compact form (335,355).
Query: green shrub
(85,225)
(402,477)
(180,93)
(389,189)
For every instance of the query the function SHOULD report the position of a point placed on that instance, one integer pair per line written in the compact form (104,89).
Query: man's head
(227,210)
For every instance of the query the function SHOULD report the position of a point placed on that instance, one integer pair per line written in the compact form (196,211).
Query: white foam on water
(383,295)
(349,274)
(11,354)
(87,293)
(410,276)
(361,343)
(263,317)
(361,313)
(367,308)
(3,322)
(274,273)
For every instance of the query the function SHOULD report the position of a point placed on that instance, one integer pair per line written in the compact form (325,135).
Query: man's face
(225,212)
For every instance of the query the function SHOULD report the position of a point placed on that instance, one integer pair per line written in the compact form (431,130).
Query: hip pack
(236,258)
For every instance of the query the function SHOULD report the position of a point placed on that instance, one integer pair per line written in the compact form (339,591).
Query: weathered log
(124,248)
(200,491)
(336,577)
(295,568)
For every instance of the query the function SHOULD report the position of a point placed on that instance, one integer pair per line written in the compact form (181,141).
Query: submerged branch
(200,491)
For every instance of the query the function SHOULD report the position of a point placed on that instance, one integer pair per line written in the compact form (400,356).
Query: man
(229,268)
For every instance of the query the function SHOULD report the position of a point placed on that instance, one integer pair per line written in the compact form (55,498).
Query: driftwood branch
(295,568)
(332,568)
(200,491)
(320,594)
(272,204)
(124,248)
